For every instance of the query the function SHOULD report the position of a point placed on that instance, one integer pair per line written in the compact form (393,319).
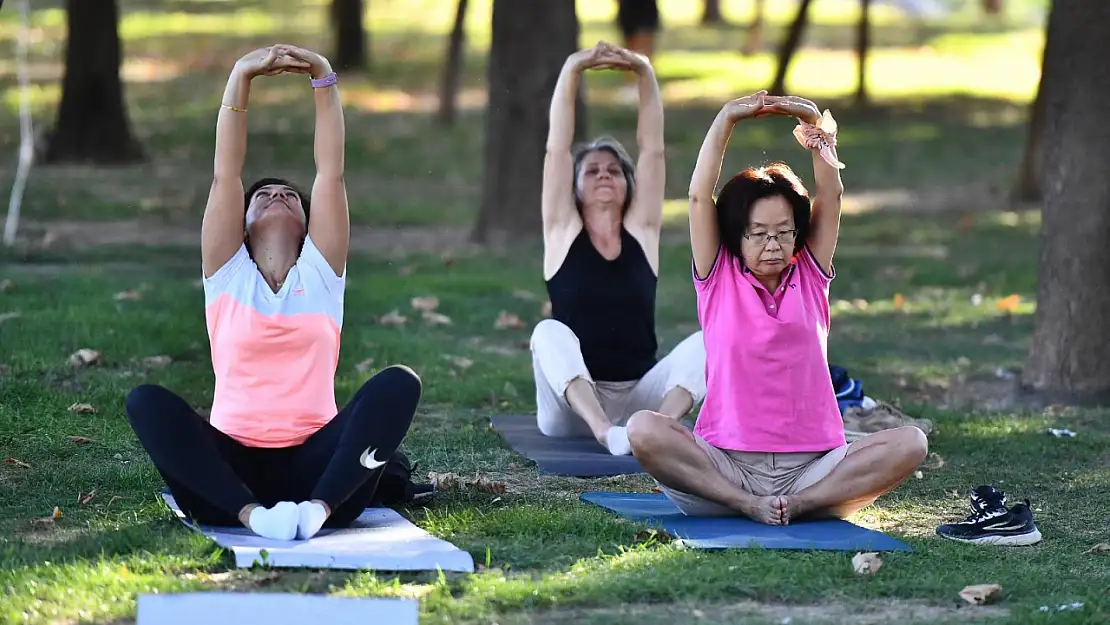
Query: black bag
(396,488)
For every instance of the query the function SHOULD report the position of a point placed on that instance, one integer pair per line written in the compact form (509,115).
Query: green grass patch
(546,557)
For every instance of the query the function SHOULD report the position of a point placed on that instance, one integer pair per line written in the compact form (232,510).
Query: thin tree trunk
(755,30)
(350,35)
(790,46)
(1069,358)
(92,124)
(452,67)
(530,42)
(711,13)
(863,46)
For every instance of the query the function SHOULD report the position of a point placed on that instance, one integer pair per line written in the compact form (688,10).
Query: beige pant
(759,473)
(557,361)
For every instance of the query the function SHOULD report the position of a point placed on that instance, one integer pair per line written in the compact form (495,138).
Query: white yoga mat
(240,608)
(380,539)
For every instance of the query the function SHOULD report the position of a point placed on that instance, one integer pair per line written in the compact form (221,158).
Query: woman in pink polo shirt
(277,456)
(769,441)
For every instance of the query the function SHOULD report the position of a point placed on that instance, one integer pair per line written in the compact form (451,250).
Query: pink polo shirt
(768,387)
(274,354)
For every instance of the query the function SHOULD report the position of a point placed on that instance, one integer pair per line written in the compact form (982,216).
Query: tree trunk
(530,42)
(755,29)
(92,124)
(1068,359)
(1029,186)
(863,45)
(452,67)
(790,46)
(711,13)
(350,35)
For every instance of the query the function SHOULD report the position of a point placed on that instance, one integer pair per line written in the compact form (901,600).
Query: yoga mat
(240,608)
(576,457)
(739,532)
(380,539)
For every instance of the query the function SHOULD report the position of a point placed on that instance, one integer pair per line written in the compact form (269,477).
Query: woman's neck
(602,224)
(274,259)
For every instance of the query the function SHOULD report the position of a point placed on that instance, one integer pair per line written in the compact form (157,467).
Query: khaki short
(759,473)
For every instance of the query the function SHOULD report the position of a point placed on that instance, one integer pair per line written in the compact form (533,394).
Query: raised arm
(221,232)
(818,134)
(646,211)
(557,201)
(329,224)
(705,238)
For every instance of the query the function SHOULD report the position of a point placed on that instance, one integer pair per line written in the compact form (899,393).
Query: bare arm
(221,231)
(825,220)
(646,211)
(705,238)
(329,224)
(557,199)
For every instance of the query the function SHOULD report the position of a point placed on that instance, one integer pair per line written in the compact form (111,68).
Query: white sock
(617,441)
(312,517)
(279,522)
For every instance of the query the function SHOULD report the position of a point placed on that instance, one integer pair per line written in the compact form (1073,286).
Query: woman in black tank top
(595,359)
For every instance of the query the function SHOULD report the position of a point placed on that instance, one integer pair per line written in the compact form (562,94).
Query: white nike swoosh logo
(367,459)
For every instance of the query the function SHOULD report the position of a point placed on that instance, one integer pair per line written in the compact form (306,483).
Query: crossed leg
(872,466)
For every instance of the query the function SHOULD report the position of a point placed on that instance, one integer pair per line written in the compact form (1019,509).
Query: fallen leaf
(980,594)
(85,500)
(507,320)
(425,304)
(460,362)
(436,319)
(444,481)
(918,474)
(6,285)
(867,563)
(1010,303)
(392,318)
(127,295)
(81,440)
(365,365)
(17,462)
(1099,548)
(648,535)
(486,485)
(157,361)
(10,315)
(82,408)
(84,357)
(932,462)
(545,310)
(899,301)
(57,514)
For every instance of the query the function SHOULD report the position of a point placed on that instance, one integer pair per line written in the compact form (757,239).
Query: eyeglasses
(786,237)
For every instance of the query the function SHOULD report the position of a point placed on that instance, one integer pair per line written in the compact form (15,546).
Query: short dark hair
(734,203)
(265,182)
(614,147)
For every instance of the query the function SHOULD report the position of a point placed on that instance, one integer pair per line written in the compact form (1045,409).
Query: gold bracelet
(234,108)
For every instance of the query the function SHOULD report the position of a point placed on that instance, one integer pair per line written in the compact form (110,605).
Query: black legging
(213,476)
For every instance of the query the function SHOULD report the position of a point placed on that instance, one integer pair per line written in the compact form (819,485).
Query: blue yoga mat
(742,533)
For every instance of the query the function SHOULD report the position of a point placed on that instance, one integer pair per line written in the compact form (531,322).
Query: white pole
(26,132)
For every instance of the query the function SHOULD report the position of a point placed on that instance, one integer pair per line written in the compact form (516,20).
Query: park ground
(934,305)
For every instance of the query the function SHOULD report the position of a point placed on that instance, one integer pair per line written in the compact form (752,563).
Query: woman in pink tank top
(769,441)
(277,455)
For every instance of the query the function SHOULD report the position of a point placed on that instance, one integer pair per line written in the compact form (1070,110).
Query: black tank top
(610,306)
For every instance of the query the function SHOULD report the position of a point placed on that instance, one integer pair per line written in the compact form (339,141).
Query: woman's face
(769,243)
(276,206)
(601,180)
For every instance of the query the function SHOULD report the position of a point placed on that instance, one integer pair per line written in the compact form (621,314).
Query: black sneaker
(423,493)
(992,523)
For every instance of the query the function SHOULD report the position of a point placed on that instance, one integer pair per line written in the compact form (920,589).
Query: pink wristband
(326,81)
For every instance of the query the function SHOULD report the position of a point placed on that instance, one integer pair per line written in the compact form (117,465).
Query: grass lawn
(926,314)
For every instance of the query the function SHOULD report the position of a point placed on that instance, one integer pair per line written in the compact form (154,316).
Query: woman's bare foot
(767,510)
